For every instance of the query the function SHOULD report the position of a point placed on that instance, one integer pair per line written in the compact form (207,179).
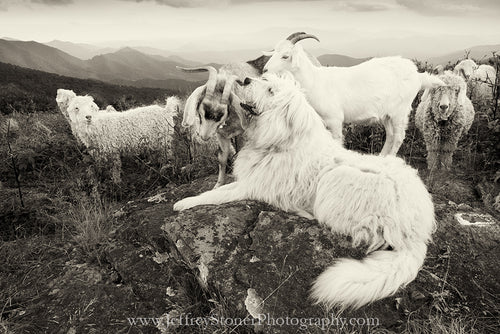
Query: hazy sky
(352,27)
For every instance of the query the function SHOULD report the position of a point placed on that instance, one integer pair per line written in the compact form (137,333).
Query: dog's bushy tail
(352,283)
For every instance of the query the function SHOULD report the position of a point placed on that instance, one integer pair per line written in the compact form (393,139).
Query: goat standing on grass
(214,108)
(292,162)
(107,134)
(443,116)
(379,90)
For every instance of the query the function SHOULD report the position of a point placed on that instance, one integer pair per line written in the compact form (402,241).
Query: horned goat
(379,90)
(443,116)
(214,108)
(291,161)
(480,79)
(130,132)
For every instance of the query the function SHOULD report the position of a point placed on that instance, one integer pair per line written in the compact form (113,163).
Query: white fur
(480,79)
(292,162)
(108,134)
(443,127)
(380,90)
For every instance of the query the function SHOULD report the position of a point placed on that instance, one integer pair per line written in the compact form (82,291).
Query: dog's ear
(242,110)
(250,109)
(191,106)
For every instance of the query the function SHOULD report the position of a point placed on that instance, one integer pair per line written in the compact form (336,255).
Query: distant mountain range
(125,66)
(151,67)
(340,60)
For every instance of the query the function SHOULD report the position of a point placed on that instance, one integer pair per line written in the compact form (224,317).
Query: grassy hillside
(26,90)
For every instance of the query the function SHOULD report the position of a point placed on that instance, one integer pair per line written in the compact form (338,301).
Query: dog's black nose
(247,81)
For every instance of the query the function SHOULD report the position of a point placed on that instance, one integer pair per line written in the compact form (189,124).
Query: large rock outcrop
(216,263)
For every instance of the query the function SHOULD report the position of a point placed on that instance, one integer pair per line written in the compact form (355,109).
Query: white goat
(63,97)
(480,79)
(443,116)
(109,134)
(291,161)
(379,90)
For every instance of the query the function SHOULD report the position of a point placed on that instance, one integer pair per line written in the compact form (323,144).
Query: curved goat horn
(295,34)
(212,77)
(302,36)
(227,88)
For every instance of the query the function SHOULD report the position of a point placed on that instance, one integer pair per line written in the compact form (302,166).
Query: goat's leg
(222,155)
(334,125)
(399,128)
(432,158)
(448,148)
(226,193)
(389,137)
(116,167)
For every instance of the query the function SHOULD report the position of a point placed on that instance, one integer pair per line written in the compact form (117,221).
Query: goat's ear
(438,70)
(191,106)
(462,73)
(462,95)
(296,55)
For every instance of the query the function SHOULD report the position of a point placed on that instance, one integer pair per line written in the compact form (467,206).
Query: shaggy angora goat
(130,132)
(291,161)
(443,116)
(380,90)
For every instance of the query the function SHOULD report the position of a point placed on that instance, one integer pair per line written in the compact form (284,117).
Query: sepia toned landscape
(97,145)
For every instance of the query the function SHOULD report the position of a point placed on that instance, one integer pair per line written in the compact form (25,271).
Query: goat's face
(212,115)
(287,55)
(465,68)
(80,107)
(445,101)
(281,57)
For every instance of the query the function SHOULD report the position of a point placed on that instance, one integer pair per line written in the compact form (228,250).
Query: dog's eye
(270,90)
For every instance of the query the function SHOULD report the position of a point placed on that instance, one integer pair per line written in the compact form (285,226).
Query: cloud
(208,3)
(53,2)
(5,4)
(450,7)
(187,3)
(363,5)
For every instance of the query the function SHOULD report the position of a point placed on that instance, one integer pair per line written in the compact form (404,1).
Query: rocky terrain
(201,269)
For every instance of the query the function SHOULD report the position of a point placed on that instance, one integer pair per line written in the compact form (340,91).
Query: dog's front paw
(185,203)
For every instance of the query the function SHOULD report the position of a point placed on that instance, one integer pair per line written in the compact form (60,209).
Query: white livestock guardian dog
(292,162)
